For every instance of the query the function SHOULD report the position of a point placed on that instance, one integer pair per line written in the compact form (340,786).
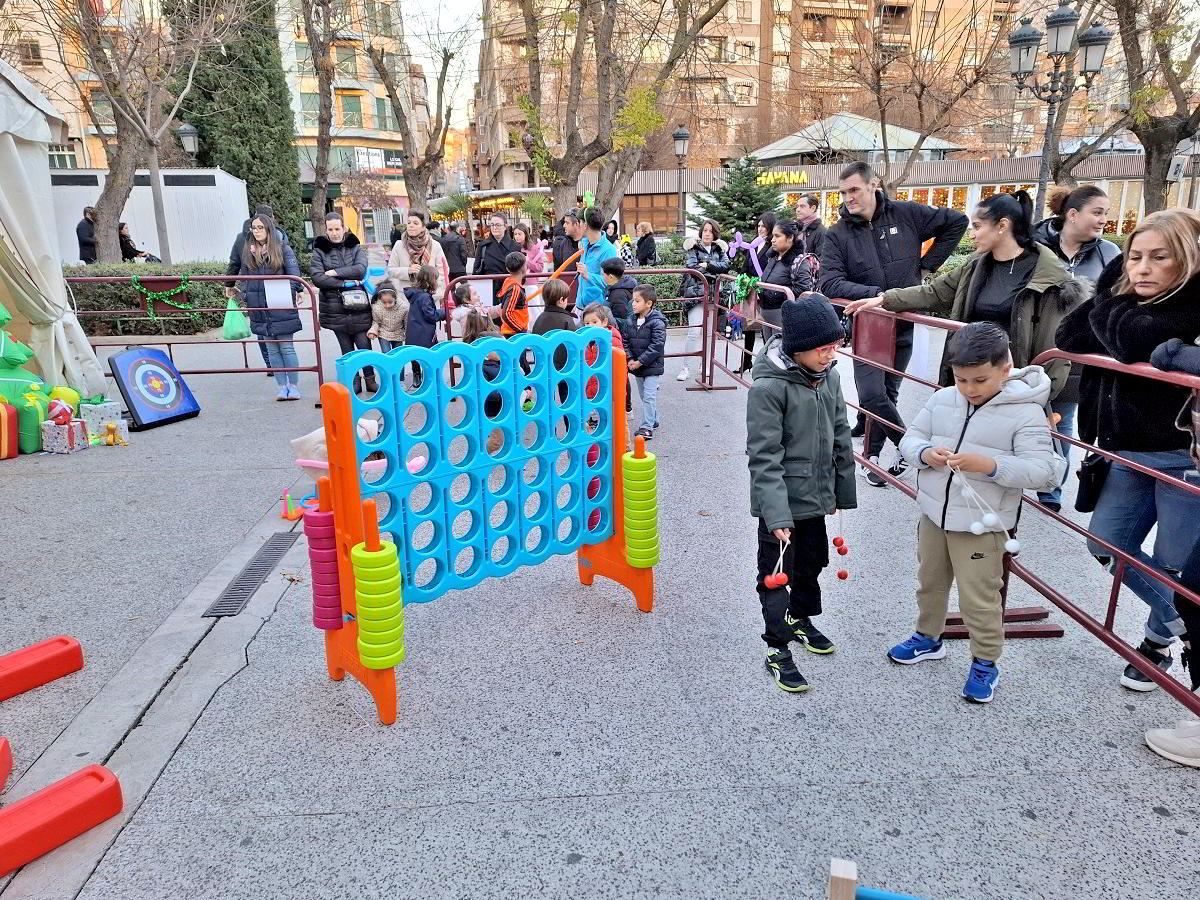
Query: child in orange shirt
(512,306)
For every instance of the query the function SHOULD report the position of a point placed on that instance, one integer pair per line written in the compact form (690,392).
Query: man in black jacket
(85,233)
(876,245)
(452,247)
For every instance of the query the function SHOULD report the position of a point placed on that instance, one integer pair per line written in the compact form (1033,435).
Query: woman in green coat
(1013,281)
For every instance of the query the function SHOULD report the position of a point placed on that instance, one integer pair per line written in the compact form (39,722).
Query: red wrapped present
(9,446)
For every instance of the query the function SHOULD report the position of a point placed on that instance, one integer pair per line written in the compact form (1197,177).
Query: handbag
(1092,473)
(237,326)
(356,298)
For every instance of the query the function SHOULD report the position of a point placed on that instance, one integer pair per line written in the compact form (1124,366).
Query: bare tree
(322,20)
(144,59)
(1161,52)
(423,153)
(672,38)
(925,74)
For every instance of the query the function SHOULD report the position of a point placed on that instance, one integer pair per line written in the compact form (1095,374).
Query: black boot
(372,384)
(358,384)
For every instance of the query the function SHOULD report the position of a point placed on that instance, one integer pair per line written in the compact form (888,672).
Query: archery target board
(153,389)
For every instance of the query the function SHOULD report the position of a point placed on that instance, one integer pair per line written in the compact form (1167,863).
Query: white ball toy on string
(977,528)
(991,520)
(1013,546)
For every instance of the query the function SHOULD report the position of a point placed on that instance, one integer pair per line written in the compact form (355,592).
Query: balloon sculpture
(739,243)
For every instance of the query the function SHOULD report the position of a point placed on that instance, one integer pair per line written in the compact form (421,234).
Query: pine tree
(740,201)
(241,106)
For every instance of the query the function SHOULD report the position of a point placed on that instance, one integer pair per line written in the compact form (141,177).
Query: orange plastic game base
(38,664)
(341,656)
(5,761)
(56,814)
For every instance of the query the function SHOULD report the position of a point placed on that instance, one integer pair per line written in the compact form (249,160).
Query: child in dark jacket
(620,288)
(647,333)
(801,470)
(424,315)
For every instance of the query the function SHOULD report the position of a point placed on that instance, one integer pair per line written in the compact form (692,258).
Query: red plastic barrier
(5,761)
(56,814)
(39,663)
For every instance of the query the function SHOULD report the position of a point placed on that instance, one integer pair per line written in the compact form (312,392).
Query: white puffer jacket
(1011,428)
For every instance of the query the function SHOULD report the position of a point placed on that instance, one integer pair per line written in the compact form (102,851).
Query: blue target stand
(459,513)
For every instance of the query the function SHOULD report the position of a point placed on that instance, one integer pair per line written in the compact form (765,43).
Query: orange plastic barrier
(56,814)
(38,663)
(5,761)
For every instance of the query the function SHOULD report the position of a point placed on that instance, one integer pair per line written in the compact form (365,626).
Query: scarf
(418,248)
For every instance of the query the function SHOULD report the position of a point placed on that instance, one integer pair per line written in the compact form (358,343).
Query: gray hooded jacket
(1011,428)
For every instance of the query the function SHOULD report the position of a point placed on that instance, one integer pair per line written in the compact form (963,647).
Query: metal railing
(151,309)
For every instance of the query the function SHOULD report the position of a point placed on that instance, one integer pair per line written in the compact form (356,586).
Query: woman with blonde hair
(1150,295)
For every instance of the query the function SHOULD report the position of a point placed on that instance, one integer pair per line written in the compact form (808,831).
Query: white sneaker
(1180,744)
(874,478)
(683,374)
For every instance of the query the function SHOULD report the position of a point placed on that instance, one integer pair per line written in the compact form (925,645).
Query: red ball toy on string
(843,550)
(843,574)
(839,541)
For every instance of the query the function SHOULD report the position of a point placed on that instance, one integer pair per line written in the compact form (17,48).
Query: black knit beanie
(809,322)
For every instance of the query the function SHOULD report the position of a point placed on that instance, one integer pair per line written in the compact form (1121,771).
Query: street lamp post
(682,137)
(1062,78)
(189,138)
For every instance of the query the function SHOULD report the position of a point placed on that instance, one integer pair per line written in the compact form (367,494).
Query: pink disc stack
(322,555)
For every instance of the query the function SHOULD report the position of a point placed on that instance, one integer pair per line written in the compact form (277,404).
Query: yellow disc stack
(640,492)
(379,595)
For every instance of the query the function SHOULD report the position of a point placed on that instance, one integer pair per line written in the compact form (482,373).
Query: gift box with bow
(64,438)
(97,412)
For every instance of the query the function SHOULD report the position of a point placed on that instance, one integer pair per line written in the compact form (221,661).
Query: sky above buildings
(429,25)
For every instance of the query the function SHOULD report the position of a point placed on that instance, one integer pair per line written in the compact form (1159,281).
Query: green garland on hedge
(153,297)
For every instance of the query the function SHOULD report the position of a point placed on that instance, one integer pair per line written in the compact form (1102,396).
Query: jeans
(262,348)
(648,393)
(1066,427)
(878,391)
(283,356)
(1130,504)
(386,346)
(695,334)
(803,560)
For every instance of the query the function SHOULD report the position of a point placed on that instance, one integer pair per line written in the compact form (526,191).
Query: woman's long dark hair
(1017,208)
(769,219)
(790,228)
(1063,199)
(273,247)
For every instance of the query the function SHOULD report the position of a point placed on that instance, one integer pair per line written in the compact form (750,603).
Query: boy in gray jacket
(976,447)
(801,470)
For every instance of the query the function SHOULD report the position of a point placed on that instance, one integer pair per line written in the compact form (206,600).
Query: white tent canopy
(31,280)
(848,133)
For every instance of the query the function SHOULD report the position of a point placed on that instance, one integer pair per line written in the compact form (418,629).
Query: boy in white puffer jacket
(989,435)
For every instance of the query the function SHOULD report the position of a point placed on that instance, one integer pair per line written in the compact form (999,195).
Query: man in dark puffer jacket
(338,257)
(876,245)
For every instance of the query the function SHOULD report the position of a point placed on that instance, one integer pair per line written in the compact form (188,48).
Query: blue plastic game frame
(526,531)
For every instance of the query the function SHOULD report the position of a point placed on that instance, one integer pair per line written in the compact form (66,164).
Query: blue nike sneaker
(981,681)
(915,648)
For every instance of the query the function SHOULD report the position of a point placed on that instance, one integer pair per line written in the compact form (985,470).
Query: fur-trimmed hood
(325,245)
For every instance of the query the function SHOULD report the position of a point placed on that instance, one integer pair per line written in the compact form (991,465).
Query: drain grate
(239,591)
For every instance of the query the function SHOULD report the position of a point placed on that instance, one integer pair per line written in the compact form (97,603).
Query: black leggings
(357,340)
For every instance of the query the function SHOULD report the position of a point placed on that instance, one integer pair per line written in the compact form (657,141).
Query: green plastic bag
(237,326)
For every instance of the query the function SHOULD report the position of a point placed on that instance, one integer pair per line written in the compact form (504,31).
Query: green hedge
(117,295)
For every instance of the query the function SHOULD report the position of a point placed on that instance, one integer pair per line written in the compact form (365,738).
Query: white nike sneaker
(683,374)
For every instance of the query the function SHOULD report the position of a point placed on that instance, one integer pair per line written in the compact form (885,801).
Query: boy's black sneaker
(784,671)
(808,634)
(1134,679)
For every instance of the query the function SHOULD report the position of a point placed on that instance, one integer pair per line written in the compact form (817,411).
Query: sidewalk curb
(138,719)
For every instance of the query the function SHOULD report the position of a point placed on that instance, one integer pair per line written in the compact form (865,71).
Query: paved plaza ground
(552,741)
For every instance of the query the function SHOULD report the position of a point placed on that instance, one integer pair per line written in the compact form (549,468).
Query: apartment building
(364,133)
(767,68)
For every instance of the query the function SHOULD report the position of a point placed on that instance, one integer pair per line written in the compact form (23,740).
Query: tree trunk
(160,210)
(616,170)
(416,184)
(324,142)
(564,196)
(122,161)
(1159,143)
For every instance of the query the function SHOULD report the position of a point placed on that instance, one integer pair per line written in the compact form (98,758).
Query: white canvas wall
(202,220)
